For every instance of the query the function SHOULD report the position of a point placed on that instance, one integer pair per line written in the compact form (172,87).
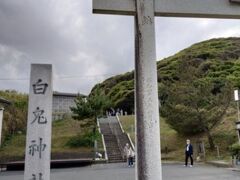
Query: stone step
(113,153)
(110,136)
(111,144)
(113,140)
(115,161)
(115,156)
(113,148)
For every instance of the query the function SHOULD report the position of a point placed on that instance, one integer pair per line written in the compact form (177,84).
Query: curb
(180,163)
(235,169)
(219,164)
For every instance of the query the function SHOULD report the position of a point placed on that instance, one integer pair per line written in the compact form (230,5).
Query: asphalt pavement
(122,172)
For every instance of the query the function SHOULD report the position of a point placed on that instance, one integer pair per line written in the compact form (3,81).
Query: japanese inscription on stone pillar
(38,141)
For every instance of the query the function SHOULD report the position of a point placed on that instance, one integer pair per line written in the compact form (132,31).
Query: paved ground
(121,172)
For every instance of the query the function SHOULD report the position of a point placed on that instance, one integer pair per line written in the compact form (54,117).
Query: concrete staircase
(113,151)
(114,138)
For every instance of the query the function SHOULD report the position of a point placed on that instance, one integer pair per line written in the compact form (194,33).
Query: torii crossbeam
(173,8)
(148,166)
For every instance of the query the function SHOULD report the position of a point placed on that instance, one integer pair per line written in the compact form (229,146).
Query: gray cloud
(84,48)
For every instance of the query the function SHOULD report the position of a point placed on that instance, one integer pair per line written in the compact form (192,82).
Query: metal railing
(103,141)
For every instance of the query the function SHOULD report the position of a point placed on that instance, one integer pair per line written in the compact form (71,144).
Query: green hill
(215,59)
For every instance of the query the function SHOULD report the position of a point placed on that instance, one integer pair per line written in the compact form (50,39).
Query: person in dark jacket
(188,153)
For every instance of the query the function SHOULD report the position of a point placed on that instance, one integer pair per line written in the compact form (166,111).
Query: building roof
(4,101)
(55,93)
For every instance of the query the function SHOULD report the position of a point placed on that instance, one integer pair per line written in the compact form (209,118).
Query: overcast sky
(84,48)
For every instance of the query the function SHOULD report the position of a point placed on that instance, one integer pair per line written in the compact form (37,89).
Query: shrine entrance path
(121,172)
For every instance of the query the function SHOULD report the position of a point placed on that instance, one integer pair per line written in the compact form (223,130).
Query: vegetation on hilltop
(195,86)
(199,108)
(216,60)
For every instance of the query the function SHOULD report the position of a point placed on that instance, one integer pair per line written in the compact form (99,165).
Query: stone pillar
(1,123)
(39,125)
(146,95)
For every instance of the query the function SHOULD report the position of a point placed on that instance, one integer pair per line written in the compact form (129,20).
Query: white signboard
(238,126)
(236,95)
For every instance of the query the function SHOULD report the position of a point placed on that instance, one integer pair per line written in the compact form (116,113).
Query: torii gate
(146,93)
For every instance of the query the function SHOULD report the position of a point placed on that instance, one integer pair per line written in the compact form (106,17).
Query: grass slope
(224,136)
(61,133)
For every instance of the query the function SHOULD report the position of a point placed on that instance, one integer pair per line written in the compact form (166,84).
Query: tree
(90,107)
(15,114)
(194,106)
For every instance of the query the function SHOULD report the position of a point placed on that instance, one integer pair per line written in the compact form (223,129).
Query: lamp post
(236,98)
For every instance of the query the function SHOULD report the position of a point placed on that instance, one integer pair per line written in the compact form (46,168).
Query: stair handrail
(98,126)
(128,135)
(103,141)
(130,140)
(120,124)
(105,149)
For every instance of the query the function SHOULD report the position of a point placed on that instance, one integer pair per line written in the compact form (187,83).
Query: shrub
(83,140)
(235,149)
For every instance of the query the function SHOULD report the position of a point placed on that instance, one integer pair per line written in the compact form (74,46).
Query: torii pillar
(148,155)
(146,94)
